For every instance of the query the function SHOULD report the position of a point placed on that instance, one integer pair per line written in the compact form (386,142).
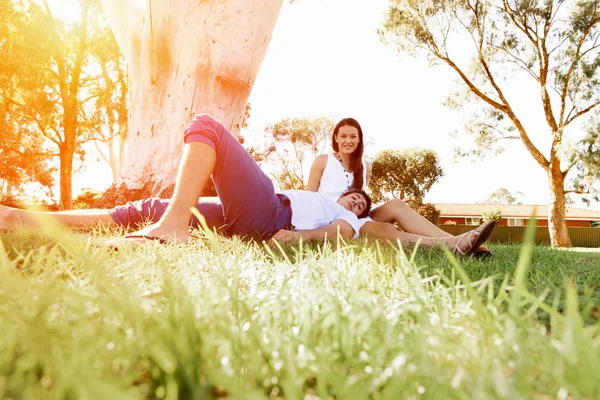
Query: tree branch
(102,153)
(544,69)
(582,112)
(516,60)
(90,97)
(80,56)
(28,154)
(498,131)
(574,163)
(471,86)
(576,191)
(522,27)
(60,61)
(576,58)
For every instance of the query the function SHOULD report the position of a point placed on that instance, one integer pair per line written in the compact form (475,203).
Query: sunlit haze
(326,58)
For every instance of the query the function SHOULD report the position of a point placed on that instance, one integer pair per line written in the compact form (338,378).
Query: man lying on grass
(249,204)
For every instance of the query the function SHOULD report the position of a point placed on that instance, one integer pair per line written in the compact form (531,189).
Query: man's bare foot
(163,233)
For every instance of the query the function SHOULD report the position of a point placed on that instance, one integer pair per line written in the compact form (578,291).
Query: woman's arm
(316,172)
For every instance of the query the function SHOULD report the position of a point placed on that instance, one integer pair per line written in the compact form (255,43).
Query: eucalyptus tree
(503,196)
(549,48)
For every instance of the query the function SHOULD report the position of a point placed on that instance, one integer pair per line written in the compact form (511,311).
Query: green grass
(356,320)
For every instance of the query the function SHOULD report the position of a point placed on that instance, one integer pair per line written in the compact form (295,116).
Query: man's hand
(329,231)
(285,236)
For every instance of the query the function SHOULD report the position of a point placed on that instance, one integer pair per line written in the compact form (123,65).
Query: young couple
(248,204)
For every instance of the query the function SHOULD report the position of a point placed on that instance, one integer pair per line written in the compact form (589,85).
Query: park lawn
(226,318)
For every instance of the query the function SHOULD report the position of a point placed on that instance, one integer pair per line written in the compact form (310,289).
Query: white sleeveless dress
(336,180)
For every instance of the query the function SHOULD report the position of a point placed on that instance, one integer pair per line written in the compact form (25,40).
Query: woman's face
(347,139)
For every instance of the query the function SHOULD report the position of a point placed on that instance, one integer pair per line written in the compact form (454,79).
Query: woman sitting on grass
(345,168)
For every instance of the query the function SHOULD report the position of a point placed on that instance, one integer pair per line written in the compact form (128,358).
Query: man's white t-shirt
(336,180)
(311,210)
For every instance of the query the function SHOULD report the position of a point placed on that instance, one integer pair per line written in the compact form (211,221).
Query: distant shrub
(492,216)
(88,198)
(25,202)
(10,200)
(428,211)
(49,205)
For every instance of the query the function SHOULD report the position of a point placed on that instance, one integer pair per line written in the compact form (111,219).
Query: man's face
(354,202)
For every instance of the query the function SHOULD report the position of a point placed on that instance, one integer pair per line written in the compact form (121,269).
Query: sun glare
(67,10)
(141,5)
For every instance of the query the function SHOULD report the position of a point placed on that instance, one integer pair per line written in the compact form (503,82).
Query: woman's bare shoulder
(321,159)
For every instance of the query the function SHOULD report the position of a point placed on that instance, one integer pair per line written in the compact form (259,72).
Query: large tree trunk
(185,57)
(557,223)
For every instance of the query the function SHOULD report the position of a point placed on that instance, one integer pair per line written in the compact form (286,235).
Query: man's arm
(330,231)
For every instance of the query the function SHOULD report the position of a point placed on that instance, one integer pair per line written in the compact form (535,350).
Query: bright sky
(326,58)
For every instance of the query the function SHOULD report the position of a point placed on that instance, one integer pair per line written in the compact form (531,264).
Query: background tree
(46,78)
(184,57)
(503,196)
(20,160)
(491,44)
(427,210)
(404,174)
(295,143)
(108,114)
(588,173)
(23,156)
(492,216)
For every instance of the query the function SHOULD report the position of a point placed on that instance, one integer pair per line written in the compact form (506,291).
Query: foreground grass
(226,318)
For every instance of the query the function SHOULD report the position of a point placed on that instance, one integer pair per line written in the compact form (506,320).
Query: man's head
(357,201)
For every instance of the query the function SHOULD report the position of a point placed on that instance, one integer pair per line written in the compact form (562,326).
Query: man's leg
(195,168)
(249,200)
(250,205)
(11,218)
(131,214)
(137,213)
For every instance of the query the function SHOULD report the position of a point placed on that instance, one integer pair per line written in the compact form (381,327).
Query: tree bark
(557,223)
(184,57)
(67,150)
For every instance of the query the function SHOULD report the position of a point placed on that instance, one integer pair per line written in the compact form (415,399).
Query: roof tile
(510,210)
